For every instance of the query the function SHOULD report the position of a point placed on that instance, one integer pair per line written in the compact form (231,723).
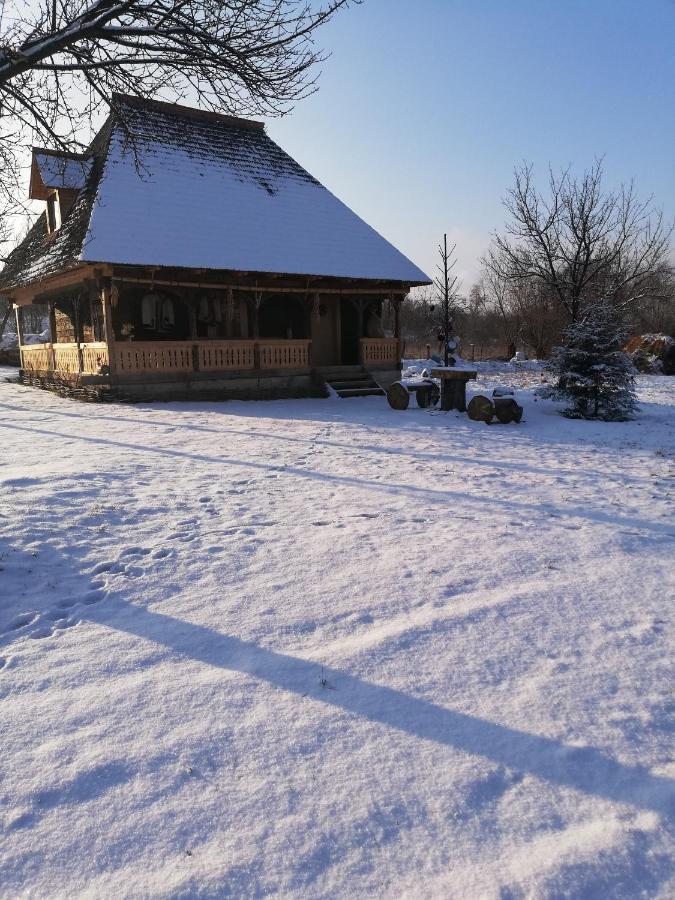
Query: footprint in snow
(135,551)
(111,567)
(67,602)
(24,619)
(41,633)
(55,615)
(62,624)
(162,553)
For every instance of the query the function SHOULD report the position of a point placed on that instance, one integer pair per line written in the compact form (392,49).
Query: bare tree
(584,243)
(61,61)
(499,297)
(446,284)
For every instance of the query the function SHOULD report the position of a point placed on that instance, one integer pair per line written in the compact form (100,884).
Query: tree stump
(481,409)
(398,396)
(508,410)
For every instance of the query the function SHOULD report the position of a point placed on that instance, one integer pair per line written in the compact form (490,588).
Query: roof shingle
(174,187)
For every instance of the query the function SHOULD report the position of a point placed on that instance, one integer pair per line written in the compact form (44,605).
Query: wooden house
(186,254)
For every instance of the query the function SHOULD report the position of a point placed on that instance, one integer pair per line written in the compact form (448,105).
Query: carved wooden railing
(134,357)
(167,357)
(216,356)
(94,356)
(284,354)
(137,357)
(380,352)
(37,358)
(64,358)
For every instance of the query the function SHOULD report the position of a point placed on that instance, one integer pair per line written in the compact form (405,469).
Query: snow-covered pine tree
(594,373)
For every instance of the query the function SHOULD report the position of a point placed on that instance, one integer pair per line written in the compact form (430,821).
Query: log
(398,396)
(507,410)
(481,409)
(426,394)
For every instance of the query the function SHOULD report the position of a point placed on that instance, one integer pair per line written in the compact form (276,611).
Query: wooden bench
(453,386)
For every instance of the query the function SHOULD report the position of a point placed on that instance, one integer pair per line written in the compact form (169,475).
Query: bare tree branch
(583,243)
(61,62)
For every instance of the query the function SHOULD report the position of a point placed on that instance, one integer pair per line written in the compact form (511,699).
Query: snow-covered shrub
(653,353)
(595,375)
(646,362)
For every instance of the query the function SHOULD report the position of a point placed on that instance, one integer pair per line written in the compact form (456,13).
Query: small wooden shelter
(187,254)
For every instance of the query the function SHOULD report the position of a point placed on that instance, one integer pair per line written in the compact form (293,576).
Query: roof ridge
(187,112)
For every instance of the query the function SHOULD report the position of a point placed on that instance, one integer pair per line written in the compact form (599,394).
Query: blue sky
(426,106)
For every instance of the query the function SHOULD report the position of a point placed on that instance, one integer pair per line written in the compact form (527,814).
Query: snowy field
(325,649)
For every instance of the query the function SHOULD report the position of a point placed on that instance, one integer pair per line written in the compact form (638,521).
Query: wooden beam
(37,290)
(272,289)
(108,332)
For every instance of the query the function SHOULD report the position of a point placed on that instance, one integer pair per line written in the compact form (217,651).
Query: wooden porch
(147,358)
(150,336)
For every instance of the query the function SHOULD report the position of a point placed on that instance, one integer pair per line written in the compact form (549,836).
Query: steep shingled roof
(181,188)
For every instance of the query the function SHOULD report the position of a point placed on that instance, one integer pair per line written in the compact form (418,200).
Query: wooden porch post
(360,305)
(51,307)
(108,331)
(52,321)
(229,313)
(397,326)
(76,304)
(257,300)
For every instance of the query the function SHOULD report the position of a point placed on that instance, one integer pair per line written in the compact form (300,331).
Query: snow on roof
(213,192)
(59,171)
(178,187)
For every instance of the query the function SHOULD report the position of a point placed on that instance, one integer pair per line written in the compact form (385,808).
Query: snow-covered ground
(325,649)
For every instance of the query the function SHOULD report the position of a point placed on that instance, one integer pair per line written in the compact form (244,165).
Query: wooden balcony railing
(215,356)
(284,354)
(210,356)
(134,357)
(37,358)
(167,357)
(64,358)
(380,352)
(170,357)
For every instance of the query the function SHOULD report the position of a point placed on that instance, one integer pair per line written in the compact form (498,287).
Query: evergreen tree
(594,373)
